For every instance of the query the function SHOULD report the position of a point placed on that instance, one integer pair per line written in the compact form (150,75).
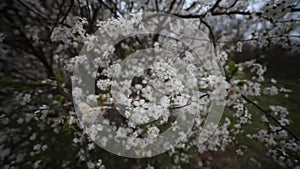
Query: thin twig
(215,5)
(36,11)
(68,11)
(211,33)
(179,107)
(272,117)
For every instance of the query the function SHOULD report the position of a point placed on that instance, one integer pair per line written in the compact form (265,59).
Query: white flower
(218,87)
(139,103)
(239,47)
(61,34)
(2,37)
(273,81)
(155,111)
(239,152)
(284,121)
(103,84)
(26,99)
(139,116)
(114,70)
(149,167)
(272,91)
(180,101)
(165,101)
(152,132)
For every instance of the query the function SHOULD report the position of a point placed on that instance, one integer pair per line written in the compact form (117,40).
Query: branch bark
(265,112)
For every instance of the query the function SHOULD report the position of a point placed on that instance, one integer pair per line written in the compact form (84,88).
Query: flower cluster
(142,95)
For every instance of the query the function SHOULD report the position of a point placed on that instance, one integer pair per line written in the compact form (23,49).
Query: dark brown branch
(215,6)
(172,6)
(233,4)
(295,10)
(116,9)
(179,107)
(247,13)
(88,10)
(57,18)
(156,6)
(192,6)
(68,11)
(218,13)
(36,11)
(37,53)
(265,112)
(211,33)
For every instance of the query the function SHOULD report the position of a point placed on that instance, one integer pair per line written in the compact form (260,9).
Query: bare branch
(215,5)
(295,10)
(211,33)
(36,11)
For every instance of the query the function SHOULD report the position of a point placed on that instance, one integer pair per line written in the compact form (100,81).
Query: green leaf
(5,81)
(59,98)
(232,69)
(58,78)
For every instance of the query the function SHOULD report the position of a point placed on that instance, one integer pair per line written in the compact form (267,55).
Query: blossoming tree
(144,84)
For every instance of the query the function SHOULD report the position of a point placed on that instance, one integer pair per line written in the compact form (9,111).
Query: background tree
(40,41)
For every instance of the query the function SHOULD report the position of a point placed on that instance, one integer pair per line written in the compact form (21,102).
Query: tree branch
(265,112)
(179,107)
(215,6)
(36,11)
(295,10)
(211,33)
(68,11)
